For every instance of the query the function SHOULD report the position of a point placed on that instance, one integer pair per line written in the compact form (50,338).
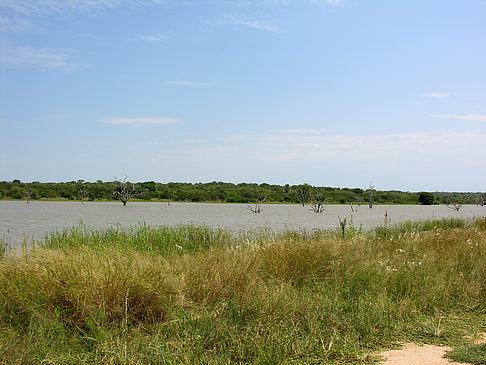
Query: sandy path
(412,354)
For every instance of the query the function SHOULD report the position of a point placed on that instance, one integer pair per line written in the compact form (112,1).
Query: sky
(335,93)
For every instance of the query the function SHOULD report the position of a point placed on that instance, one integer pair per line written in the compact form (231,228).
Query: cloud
(333,2)
(429,158)
(140,121)
(460,117)
(153,38)
(329,2)
(301,130)
(14,24)
(68,7)
(358,149)
(436,95)
(185,83)
(253,24)
(44,57)
(226,148)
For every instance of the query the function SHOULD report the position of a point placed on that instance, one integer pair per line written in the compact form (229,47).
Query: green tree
(426,198)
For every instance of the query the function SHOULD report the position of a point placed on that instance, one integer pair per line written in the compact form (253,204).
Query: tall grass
(132,296)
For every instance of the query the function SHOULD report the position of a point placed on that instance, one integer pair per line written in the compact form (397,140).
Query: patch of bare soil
(480,339)
(412,354)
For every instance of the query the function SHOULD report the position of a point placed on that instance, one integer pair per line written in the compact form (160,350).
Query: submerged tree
(317,201)
(481,199)
(83,194)
(125,190)
(257,207)
(303,194)
(371,195)
(28,195)
(356,203)
(452,204)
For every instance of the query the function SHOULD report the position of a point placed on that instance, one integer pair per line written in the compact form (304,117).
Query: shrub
(425,198)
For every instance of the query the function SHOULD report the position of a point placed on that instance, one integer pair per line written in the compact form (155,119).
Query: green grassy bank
(195,295)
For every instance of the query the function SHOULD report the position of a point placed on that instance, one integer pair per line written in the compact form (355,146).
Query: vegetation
(472,354)
(218,192)
(192,294)
(426,198)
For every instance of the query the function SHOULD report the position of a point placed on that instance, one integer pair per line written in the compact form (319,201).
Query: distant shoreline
(201,202)
(221,192)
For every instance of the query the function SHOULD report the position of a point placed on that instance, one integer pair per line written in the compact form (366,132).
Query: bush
(426,198)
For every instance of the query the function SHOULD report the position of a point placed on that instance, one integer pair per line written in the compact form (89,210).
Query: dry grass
(288,299)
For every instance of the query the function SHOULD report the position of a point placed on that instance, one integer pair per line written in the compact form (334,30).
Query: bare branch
(318,201)
(303,195)
(83,194)
(28,195)
(257,208)
(452,204)
(125,190)
(371,195)
(481,200)
(356,203)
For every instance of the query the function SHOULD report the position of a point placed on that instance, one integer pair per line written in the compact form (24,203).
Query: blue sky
(335,93)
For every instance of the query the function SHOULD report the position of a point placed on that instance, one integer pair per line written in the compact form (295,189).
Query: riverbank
(193,294)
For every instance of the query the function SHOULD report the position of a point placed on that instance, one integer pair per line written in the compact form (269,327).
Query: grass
(192,294)
(473,354)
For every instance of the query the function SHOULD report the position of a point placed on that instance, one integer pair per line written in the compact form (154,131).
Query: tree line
(222,192)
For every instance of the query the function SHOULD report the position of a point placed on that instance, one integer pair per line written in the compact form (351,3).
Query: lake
(21,221)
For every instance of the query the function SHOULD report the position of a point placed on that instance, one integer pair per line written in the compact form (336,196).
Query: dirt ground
(412,354)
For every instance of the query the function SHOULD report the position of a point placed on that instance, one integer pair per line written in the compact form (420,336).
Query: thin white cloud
(185,83)
(253,24)
(329,2)
(334,2)
(153,37)
(436,95)
(421,158)
(140,121)
(292,148)
(14,24)
(226,148)
(68,7)
(460,117)
(301,131)
(43,57)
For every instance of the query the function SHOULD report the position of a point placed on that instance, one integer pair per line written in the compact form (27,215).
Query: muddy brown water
(20,221)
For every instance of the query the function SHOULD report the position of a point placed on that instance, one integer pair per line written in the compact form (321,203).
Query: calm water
(19,221)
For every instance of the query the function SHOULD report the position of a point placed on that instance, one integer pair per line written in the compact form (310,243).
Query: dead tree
(83,194)
(356,203)
(371,195)
(452,204)
(318,201)
(257,207)
(303,195)
(125,190)
(481,200)
(28,195)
